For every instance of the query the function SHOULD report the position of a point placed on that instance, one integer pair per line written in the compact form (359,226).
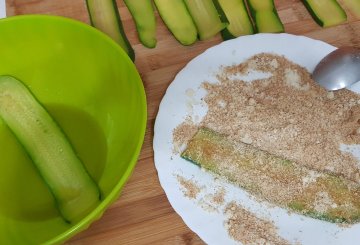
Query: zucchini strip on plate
(276,180)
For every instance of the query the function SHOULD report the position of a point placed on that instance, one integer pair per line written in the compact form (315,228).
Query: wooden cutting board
(143,215)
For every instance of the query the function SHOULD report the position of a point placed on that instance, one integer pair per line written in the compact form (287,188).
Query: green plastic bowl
(93,90)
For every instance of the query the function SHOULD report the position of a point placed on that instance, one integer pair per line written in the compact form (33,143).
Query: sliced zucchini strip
(104,15)
(206,17)
(236,14)
(75,192)
(326,12)
(276,180)
(178,20)
(353,6)
(265,16)
(143,14)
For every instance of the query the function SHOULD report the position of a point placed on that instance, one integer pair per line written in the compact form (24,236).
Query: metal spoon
(339,69)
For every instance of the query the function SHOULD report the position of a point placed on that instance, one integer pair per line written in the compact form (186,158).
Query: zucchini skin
(117,27)
(143,14)
(73,189)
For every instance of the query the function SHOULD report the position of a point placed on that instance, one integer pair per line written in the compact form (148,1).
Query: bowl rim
(96,214)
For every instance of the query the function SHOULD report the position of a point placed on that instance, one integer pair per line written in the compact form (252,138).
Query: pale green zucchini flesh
(143,14)
(353,6)
(236,14)
(268,21)
(178,20)
(206,17)
(326,12)
(265,16)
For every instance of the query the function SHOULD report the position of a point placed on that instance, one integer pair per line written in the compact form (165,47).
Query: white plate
(175,107)
(2,9)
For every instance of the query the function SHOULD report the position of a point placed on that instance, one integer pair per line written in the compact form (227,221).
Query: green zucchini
(178,20)
(143,14)
(325,12)
(206,17)
(74,191)
(104,15)
(265,16)
(237,16)
(276,180)
(353,6)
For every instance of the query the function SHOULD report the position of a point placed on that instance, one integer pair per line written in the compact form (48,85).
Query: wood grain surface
(142,214)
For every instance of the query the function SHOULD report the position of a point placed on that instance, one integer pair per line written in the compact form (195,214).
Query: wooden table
(143,214)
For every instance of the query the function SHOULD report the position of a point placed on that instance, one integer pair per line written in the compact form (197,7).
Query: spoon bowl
(338,69)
